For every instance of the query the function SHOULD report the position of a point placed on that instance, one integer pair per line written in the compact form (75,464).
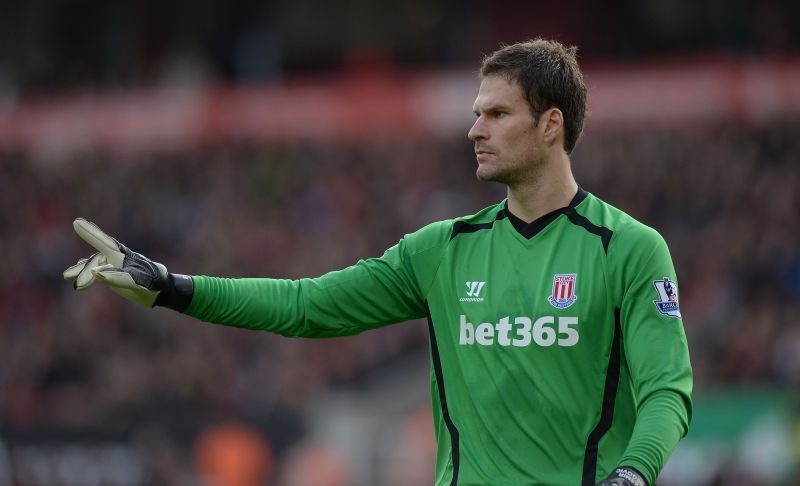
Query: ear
(552,123)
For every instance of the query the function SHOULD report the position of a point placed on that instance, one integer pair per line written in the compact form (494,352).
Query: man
(557,348)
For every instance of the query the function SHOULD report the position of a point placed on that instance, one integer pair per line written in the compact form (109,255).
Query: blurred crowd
(51,46)
(725,198)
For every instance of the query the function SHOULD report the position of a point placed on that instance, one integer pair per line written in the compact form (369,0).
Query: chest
(538,310)
(558,273)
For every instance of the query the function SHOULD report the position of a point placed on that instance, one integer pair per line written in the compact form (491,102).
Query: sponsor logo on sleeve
(667,302)
(563,293)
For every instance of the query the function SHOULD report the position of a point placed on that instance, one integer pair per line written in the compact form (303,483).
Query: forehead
(499,91)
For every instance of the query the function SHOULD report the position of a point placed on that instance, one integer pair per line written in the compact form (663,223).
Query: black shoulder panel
(580,220)
(464,227)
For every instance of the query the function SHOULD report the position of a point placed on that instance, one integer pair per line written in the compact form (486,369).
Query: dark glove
(624,476)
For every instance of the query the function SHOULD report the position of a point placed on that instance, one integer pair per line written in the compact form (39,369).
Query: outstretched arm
(369,294)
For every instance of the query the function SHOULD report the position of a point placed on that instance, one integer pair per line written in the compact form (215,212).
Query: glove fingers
(110,275)
(85,277)
(123,284)
(72,272)
(92,234)
(104,268)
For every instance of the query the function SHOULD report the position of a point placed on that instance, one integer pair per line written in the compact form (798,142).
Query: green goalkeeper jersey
(557,347)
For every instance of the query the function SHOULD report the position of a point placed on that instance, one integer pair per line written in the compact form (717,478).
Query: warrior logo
(667,302)
(473,292)
(563,294)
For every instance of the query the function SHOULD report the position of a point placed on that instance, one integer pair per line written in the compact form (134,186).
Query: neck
(553,188)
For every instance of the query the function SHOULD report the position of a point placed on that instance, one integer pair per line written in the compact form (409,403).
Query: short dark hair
(549,75)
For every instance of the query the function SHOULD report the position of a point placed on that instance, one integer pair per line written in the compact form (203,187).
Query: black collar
(529,230)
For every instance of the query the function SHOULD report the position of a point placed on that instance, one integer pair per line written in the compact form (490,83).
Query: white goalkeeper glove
(127,273)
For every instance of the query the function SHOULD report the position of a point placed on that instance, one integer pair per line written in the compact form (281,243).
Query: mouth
(482,154)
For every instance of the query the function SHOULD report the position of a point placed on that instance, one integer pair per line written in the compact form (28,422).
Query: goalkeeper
(557,347)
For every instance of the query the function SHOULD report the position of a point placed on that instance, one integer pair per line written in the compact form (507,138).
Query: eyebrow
(495,107)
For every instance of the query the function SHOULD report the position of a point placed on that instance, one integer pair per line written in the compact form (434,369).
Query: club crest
(563,294)
(667,302)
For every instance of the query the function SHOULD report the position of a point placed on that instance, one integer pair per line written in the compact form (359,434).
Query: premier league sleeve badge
(667,302)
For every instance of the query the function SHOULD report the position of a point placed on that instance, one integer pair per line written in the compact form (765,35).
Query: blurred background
(288,139)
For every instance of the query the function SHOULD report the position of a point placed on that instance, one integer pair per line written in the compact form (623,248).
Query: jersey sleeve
(655,348)
(370,294)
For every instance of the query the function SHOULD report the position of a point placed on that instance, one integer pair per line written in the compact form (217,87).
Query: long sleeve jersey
(557,347)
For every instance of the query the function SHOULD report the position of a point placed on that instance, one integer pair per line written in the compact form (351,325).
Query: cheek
(521,143)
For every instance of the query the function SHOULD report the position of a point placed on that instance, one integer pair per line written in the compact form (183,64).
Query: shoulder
(441,232)
(423,249)
(484,218)
(627,233)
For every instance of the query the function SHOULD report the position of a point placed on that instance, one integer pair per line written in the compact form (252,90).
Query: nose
(478,130)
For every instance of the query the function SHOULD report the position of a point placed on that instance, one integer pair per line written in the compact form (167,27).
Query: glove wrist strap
(631,475)
(178,293)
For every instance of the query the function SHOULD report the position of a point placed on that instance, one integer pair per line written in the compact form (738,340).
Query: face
(507,140)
